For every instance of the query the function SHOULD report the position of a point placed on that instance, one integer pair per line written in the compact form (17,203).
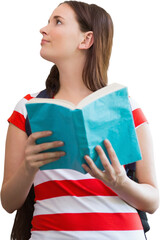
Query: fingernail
(49,132)
(98,147)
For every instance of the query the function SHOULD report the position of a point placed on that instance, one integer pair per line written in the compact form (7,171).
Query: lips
(43,41)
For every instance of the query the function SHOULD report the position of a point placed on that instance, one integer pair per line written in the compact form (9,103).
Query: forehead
(65,11)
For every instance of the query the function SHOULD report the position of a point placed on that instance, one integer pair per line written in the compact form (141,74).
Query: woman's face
(62,35)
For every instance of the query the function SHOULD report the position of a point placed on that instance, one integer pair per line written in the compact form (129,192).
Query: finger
(92,168)
(43,156)
(87,169)
(34,136)
(104,160)
(89,162)
(48,155)
(44,162)
(46,146)
(111,153)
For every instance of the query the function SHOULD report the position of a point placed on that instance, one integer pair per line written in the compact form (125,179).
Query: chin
(46,56)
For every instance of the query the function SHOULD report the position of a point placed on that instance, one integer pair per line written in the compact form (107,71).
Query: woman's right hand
(23,157)
(34,155)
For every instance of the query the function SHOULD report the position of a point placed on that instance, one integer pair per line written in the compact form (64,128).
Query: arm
(142,195)
(22,161)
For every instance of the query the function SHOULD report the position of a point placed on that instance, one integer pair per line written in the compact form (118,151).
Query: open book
(104,114)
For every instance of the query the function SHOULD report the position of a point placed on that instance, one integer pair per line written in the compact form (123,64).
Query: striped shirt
(71,205)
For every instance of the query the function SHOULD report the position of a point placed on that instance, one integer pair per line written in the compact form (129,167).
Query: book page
(90,98)
(99,93)
(60,102)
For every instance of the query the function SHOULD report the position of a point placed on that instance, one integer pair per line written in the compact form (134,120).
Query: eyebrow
(55,17)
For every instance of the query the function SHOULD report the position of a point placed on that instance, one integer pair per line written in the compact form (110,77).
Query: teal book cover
(104,114)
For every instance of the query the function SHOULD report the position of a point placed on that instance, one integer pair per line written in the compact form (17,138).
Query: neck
(70,76)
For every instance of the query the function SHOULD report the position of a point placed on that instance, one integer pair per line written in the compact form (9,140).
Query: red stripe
(85,187)
(87,222)
(138,117)
(28,97)
(18,120)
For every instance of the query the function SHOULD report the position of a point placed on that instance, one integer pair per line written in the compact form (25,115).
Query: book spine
(81,134)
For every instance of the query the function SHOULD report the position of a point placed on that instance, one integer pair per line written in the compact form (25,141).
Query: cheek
(66,37)
(62,45)
(68,43)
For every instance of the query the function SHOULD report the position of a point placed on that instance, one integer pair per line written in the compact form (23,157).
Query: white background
(134,62)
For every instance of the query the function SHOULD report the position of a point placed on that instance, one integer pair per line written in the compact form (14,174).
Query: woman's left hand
(114,174)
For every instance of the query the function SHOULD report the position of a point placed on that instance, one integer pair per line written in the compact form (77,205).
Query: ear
(87,41)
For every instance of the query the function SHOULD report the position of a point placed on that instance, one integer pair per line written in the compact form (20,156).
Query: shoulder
(20,106)
(19,114)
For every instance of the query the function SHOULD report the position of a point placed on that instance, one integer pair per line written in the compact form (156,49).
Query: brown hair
(90,18)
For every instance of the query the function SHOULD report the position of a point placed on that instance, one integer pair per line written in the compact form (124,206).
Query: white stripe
(34,94)
(141,125)
(59,174)
(88,235)
(20,107)
(72,204)
(134,104)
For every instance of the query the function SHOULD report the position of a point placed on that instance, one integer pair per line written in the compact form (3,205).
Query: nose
(43,30)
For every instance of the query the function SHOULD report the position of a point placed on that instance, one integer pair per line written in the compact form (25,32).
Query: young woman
(68,204)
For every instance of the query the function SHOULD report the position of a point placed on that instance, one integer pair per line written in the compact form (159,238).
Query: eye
(58,22)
